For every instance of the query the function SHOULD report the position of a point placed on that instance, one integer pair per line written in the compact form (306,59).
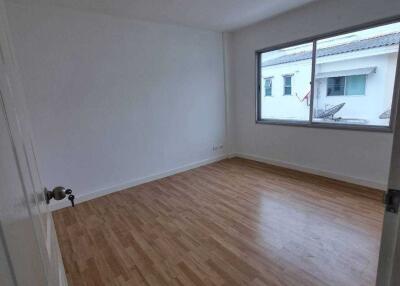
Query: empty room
(188,142)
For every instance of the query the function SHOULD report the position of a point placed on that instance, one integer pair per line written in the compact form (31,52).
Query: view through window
(290,82)
(354,78)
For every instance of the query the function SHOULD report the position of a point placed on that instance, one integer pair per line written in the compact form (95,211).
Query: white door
(389,260)
(29,252)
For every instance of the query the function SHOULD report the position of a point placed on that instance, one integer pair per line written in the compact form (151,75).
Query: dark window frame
(310,122)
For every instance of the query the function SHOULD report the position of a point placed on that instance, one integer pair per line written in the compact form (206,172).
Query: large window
(346,80)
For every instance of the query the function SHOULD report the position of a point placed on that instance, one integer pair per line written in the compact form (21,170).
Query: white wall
(115,101)
(362,157)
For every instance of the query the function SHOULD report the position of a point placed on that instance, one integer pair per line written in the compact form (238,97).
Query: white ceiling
(219,15)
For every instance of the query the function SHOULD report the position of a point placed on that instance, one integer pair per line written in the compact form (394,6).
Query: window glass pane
(355,85)
(354,76)
(288,90)
(288,85)
(268,86)
(288,80)
(295,61)
(336,85)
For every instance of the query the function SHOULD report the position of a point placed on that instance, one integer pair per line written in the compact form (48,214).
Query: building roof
(376,42)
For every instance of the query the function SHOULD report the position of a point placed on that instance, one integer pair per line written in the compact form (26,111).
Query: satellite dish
(386,114)
(331,111)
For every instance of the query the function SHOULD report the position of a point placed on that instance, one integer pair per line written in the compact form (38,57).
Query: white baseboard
(85,197)
(328,174)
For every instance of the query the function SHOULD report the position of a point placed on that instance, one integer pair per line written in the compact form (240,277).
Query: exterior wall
(378,89)
(271,106)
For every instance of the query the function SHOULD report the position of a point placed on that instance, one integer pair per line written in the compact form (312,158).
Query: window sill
(354,127)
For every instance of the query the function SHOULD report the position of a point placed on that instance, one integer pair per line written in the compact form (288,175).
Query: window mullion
(314,54)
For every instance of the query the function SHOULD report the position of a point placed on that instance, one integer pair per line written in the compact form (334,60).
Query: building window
(355,85)
(346,85)
(268,86)
(336,86)
(346,80)
(287,85)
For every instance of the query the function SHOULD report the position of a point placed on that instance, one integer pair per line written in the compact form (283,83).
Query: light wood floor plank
(234,222)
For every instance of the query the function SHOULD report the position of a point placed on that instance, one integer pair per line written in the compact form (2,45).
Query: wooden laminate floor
(234,222)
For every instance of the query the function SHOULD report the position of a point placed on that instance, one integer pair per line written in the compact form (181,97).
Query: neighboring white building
(359,74)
